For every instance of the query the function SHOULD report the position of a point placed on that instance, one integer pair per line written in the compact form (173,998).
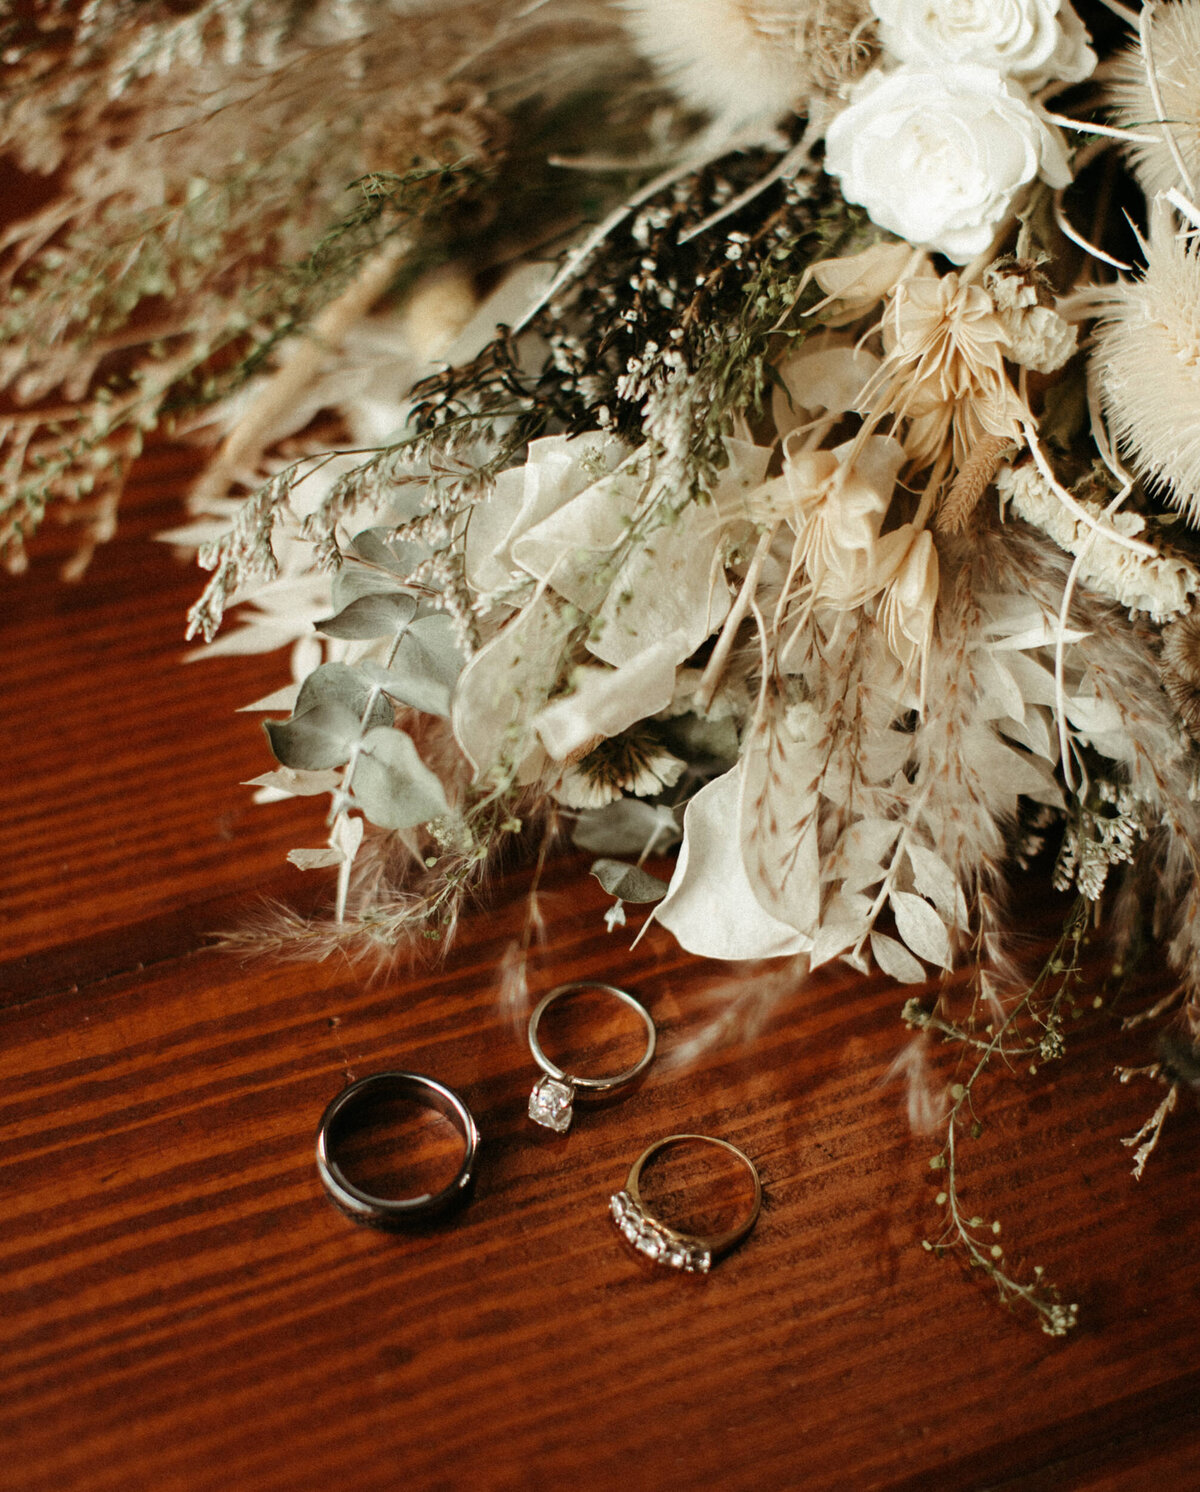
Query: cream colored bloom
(910,600)
(1034,41)
(830,377)
(557,470)
(1038,337)
(939,156)
(944,369)
(634,764)
(840,498)
(855,283)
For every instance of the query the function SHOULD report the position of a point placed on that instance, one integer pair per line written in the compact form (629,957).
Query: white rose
(940,157)
(1034,41)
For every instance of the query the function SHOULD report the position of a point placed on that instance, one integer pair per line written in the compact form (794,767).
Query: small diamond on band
(550,1104)
(654,1241)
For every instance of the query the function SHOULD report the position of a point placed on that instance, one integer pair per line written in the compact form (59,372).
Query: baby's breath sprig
(1031,1031)
(664,338)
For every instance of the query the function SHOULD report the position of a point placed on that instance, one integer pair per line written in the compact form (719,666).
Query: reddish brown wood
(180,1309)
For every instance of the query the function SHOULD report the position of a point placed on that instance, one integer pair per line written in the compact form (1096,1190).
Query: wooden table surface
(181,1310)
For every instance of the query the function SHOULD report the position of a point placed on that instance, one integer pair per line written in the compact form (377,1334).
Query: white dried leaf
(606,701)
(279,699)
(896,961)
(506,683)
(322,859)
(1034,679)
(1000,696)
(934,879)
(778,822)
(287,782)
(1004,774)
(1036,733)
(711,908)
(843,925)
(921,927)
(858,862)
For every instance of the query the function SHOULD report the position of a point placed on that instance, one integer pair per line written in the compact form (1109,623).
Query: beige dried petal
(907,609)
(841,497)
(823,378)
(856,283)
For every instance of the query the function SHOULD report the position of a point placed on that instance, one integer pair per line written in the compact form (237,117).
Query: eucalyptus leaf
(341,684)
(399,556)
(318,737)
(354,581)
(426,666)
(379,614)
(392,785)
(628,882)
(627,827)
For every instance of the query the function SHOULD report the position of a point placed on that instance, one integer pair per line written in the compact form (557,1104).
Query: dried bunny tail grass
(1147,355)
(407,898)
(925,1097)
(971,481)
(750,60)
(1172,73)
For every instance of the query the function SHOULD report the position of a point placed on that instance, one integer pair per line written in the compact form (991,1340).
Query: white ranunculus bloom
(1034,41)
(939,157)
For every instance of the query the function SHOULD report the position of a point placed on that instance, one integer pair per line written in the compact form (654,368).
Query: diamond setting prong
(551,1104)
(655,1242)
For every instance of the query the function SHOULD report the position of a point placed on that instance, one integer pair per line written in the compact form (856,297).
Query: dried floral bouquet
(765,427)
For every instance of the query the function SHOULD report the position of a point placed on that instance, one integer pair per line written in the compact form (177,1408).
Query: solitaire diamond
(550,1104)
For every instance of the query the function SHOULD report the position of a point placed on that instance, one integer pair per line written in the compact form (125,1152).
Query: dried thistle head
(748,60)
(1181,648)
(1185,696)
(1180,670)
(1171,66)
(1147,355)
